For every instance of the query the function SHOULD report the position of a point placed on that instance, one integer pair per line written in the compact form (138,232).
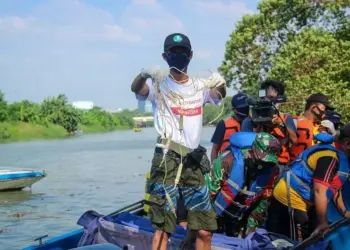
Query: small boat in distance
(18,179)
(137,129)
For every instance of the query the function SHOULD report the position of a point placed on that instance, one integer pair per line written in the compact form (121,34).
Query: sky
(91,50)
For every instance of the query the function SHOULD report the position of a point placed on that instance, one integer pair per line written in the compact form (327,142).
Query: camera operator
(281,125)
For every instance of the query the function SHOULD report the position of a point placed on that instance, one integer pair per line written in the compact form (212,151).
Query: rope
(163,92)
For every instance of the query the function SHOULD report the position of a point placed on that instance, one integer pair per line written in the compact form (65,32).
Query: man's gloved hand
(215,80)
(155,73)
(329,126)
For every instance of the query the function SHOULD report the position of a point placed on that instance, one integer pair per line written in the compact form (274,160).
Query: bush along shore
(55,118)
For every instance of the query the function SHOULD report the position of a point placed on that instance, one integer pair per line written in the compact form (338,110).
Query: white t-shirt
(168,121)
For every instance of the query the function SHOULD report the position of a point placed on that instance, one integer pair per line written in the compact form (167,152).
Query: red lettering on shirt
(187,112)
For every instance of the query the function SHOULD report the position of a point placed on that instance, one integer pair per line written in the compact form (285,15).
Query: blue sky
(91,49)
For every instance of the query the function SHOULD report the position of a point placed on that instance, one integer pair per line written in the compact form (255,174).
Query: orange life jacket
(284,156)
(305,137)
(231,126)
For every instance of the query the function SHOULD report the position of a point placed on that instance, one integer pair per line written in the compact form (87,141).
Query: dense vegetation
(304,43)
(54,118)
(213,114)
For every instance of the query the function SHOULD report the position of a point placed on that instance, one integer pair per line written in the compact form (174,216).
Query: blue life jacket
(236,180)
(300,176)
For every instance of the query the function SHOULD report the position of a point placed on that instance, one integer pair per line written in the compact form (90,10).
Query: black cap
(320,98)
(334,117)
(239,101)
(177,40)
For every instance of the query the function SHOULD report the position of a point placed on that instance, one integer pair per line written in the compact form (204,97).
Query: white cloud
(221,7)
(156,24)
(69,20)
(91,52)
(115,32)
(154,19)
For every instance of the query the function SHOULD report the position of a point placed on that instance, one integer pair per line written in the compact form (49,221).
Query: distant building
(148,107)
(141,106)
(83,105)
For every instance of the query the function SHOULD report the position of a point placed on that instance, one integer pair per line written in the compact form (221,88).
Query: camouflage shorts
(200,214)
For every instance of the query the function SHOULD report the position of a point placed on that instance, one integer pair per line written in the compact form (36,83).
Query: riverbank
(23,132)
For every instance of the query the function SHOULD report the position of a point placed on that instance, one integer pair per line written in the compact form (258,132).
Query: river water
(93,172)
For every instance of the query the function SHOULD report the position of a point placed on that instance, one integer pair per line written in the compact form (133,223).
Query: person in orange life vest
(308,124)
(225,128)
(282,127)
(315,177)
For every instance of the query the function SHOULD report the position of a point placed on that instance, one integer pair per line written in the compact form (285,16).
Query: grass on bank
(20,131)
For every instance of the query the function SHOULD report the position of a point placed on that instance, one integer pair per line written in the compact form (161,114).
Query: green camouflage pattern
(266,147)
(257,217)
(214,178)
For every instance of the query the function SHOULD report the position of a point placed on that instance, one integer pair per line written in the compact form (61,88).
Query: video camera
(263,108)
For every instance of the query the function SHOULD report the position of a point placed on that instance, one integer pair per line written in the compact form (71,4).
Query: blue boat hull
(71,240)
(62,242)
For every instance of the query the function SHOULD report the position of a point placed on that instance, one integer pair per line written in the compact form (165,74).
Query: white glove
(215,80)
(155,73)
(330,126)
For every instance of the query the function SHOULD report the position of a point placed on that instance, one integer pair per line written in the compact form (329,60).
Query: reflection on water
(15,197)
(96,172)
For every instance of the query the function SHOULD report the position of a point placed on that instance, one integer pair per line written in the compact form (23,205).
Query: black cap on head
(320,98)
(334,117)
(177,40)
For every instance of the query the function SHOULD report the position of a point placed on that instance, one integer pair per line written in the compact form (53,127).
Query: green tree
(3,108)
(258,37)
(212,112)
(316,61)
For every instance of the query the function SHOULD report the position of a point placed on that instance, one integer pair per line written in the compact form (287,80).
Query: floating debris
(19,214)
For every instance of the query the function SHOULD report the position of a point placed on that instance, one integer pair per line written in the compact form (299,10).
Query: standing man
(308,124)
(225,128)
(177,162)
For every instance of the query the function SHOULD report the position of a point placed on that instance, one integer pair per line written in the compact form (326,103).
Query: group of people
(279,175)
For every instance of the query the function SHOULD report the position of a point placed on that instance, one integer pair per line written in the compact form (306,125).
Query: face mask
(319,114)
(178,60)
(242,113)
(240,116)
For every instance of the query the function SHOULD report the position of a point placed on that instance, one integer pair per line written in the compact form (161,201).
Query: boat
(19,178)
(137,129)
(128,228)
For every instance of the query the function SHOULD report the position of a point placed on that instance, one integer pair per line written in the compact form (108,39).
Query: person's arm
(321,202)
(217,139)
(143,88)
(326,169)
(247,125)
(139,86)
(339,202)
(291,129)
